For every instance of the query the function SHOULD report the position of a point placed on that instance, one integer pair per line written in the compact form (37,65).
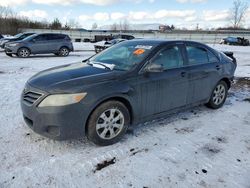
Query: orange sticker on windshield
(139,51)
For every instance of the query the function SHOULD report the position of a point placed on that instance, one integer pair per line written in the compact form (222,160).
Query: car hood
(13,41)
(10,38)
(70,78)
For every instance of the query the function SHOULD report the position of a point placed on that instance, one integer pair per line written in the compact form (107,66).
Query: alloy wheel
(219,94)
(110,123)
(64,52)
(24,53)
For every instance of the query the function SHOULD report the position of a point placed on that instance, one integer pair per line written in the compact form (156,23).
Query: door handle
(218,67)
(183,74)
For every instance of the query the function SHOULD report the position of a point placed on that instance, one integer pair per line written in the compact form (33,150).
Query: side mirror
(151,67)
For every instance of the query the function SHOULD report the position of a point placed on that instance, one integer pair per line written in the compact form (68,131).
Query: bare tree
(114,27)
(238,13)
(72,23)
(94,26)
(124,25)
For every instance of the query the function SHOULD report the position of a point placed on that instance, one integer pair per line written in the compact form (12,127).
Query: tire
(219,95)
(63,52)
(10,55)
(104,129)
(23,52)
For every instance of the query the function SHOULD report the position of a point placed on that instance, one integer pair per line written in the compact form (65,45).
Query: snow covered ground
(195,148)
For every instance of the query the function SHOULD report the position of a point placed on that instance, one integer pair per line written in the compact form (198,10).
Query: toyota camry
(129,83)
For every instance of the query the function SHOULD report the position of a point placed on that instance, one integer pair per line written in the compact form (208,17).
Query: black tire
(10,55)
(218,97)
(94,132)
(23,52)
(63,52)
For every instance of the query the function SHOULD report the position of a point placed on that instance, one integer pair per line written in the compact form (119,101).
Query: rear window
(197,55)
(212,58)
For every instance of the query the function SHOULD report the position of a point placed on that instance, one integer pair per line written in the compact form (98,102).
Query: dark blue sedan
(129,83)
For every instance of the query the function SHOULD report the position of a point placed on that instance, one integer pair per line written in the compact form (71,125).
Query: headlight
(62,99)
(13,45)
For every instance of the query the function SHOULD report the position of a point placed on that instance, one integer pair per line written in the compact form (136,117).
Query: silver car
(58,44)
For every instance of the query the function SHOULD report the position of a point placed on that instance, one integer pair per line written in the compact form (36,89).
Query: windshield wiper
(105,66)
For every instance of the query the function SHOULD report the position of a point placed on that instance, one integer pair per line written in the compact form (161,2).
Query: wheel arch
(228,82)
(121,99)
(64,46)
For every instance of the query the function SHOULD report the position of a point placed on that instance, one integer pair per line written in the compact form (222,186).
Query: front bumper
(10,50)
(59,123)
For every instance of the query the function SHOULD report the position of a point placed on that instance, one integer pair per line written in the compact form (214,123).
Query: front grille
(31,97)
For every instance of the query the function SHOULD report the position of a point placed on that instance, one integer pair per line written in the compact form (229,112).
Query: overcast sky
(182,13)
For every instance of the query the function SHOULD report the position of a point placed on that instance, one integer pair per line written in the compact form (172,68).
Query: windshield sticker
(146,47)
(139,51)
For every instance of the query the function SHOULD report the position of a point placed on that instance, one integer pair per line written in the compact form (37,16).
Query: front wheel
(10,55)
(23,52)
(218,96)
(108,123)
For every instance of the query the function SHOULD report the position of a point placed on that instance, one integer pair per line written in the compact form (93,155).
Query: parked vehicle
(123,36)
(59,44)
(235,41)
(130,83)
(100,46)
(17,37)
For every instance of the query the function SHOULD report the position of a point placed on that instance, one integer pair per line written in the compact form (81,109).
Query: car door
(203,72)
(39,44)
(166,90)
(54,42)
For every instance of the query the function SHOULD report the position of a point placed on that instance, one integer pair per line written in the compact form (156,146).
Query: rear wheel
(108,123)
(23,52)
(63,52)
(218,96)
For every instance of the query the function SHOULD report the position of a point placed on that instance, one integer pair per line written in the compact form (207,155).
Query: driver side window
(169,58)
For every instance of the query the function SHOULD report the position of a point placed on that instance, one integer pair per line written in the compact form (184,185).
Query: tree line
(10,22)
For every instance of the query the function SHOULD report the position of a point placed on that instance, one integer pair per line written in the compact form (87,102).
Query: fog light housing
(53,130)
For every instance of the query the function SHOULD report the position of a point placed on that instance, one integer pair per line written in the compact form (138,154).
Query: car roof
(163,41)
(28,33)
(51,34)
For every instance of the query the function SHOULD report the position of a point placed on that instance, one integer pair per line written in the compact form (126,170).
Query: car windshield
(18,35)
(30,37)
(123,56)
